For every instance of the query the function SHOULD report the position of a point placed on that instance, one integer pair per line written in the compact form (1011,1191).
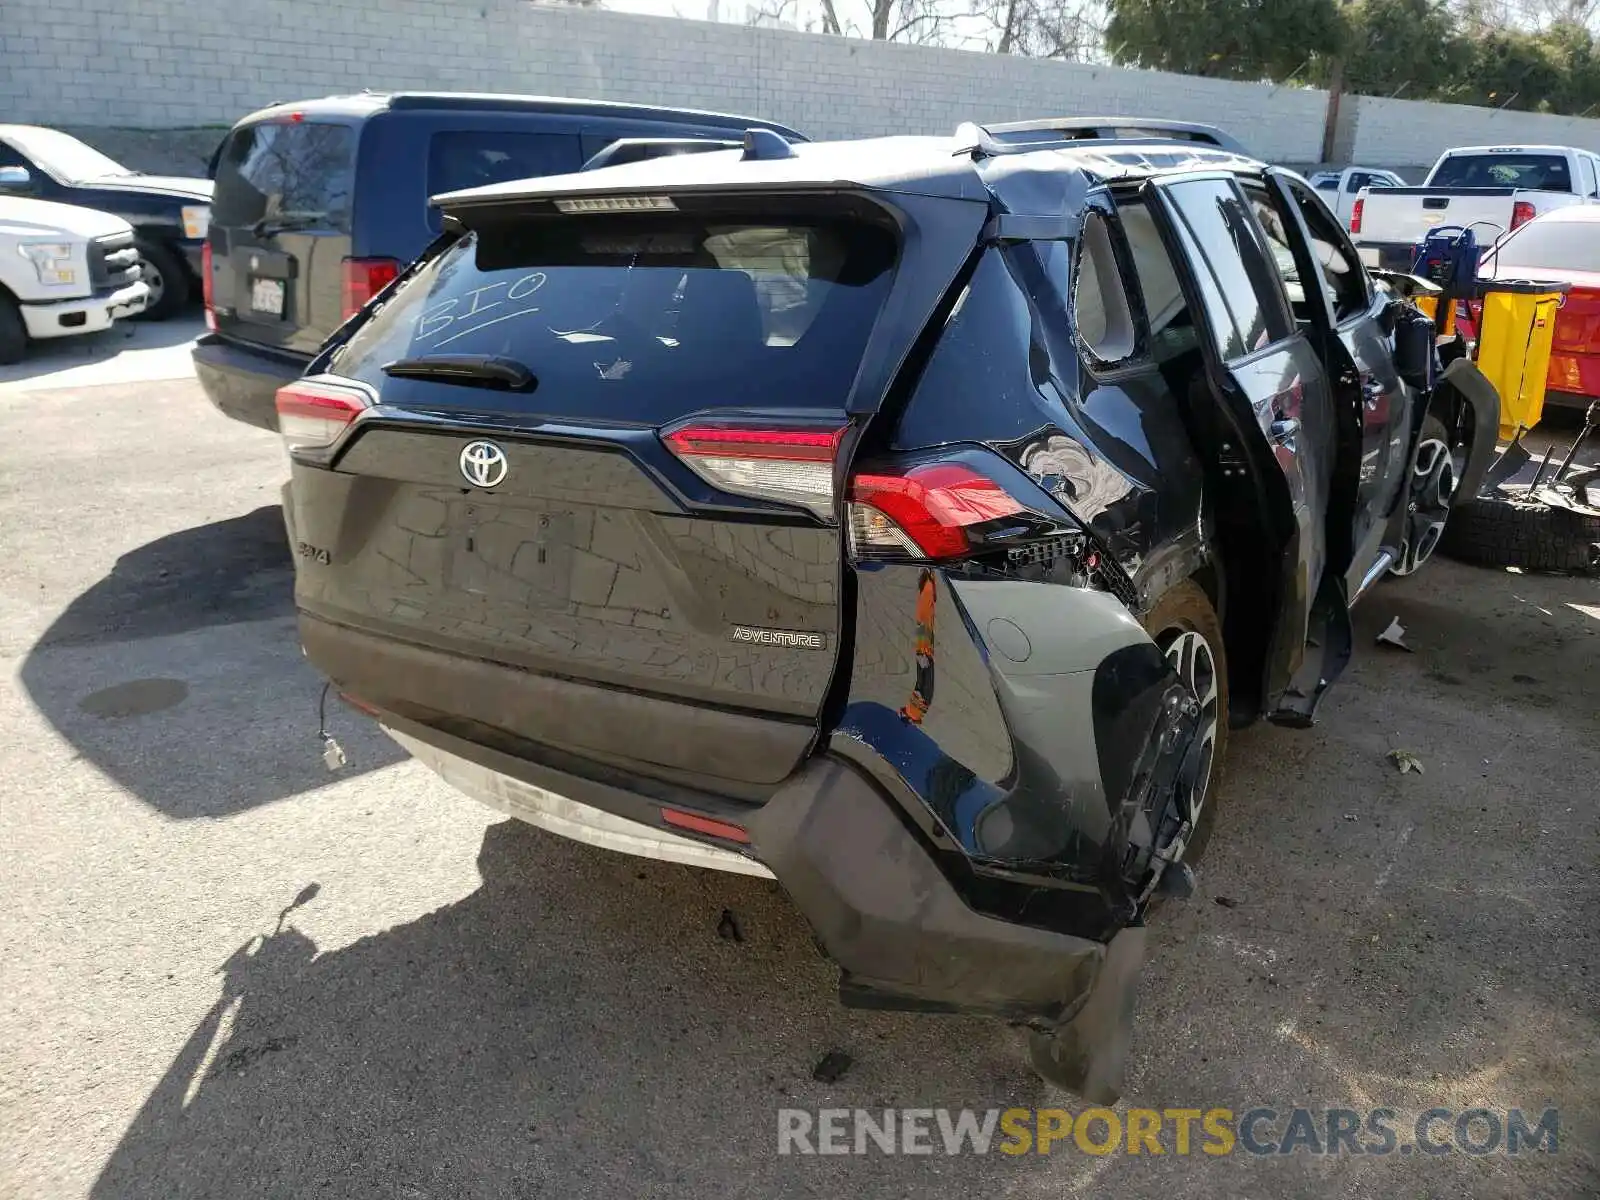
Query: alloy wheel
(1432,486)
(1196,667)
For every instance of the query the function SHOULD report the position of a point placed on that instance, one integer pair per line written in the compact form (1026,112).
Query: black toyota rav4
(908,520)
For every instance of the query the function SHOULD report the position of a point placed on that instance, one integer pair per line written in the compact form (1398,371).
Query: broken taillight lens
(312,414)
(1521,213)
(786,465)
(932,511)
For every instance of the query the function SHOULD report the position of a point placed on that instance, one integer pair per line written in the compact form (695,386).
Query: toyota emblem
(483,464)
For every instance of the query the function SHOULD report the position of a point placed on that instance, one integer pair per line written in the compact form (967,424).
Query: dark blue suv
(320,203)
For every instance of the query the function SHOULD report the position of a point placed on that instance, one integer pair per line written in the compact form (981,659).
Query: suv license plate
(266,296)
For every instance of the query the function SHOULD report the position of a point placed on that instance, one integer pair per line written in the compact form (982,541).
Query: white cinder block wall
(164,64)
(1413,132)
(172,63)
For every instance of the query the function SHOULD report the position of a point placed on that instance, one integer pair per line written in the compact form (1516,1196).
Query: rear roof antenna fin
(765,144)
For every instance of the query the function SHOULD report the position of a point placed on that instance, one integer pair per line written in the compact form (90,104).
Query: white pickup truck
(63,271)
(1492,189)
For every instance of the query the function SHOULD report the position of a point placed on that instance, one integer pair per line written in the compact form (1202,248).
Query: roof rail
(632,150)
(1011,137)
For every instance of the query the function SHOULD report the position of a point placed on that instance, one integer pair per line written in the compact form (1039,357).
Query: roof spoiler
(1016,137)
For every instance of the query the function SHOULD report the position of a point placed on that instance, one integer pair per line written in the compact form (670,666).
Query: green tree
(1226,39)
(1409,48)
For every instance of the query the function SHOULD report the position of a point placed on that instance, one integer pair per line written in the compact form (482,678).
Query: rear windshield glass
(1550,246)
(640,318)
(1531,172)
(299,174)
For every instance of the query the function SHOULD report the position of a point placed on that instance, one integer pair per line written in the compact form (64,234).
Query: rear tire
(1185,626)
(167,278)
(13,333)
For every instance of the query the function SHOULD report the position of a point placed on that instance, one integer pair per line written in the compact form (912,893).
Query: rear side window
(1531,172)
(1586,174)
(641,318)
(1099,302)
(460,159)
(301,173)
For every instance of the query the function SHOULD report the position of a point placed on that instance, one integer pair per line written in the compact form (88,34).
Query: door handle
(1283,429)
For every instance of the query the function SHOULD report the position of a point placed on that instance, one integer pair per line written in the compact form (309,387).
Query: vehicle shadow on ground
(60,354)
(179,675)
(538,1032)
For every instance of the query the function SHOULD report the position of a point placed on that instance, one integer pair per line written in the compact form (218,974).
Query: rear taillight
(934,511)
(1521,213)
(1355,214)
(790,466)
(364,278)
(208,286)
(312,414)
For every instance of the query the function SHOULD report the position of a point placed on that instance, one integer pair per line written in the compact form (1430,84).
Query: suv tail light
(1521,213)
(790,466)
(312,415)
(933,511)
(1355,214)
(363,279)
(208,286)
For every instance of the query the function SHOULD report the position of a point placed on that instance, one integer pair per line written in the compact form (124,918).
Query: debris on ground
(833,1066)
(1395,636)
(728,928)
(1405,761)
(1351,817)
(1226,901)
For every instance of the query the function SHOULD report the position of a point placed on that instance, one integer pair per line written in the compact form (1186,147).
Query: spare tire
(1513,529)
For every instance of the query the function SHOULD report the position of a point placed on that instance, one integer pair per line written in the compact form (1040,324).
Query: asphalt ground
(226,972)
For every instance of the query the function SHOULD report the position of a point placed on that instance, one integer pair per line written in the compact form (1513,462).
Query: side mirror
(15,179)
(1416,357)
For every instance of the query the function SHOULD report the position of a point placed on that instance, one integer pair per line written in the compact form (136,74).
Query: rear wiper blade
(278,222)
(468,370)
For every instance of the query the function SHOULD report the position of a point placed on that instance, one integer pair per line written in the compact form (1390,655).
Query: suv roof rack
(632,150)
(991,140)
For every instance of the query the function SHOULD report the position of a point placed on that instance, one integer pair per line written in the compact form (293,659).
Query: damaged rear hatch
(577,485)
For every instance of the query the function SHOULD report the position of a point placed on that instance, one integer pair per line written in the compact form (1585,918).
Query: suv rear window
(302,173)
(459,159)
(641,318)
(1532,172)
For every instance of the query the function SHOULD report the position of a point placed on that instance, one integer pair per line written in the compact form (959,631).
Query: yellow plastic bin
(1515,328)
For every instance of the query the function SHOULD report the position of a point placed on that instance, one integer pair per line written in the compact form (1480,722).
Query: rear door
(1338,299)
(1276,428)
(649,513)
(280,230)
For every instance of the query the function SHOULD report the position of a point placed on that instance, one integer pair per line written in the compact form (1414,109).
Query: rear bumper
(871,891)
(1391,256)
(91,314)
(241,383)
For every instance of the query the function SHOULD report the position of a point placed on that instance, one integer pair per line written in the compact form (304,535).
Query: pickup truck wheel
(13,333)
(166,277)
(1186,628)
(1514,529)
